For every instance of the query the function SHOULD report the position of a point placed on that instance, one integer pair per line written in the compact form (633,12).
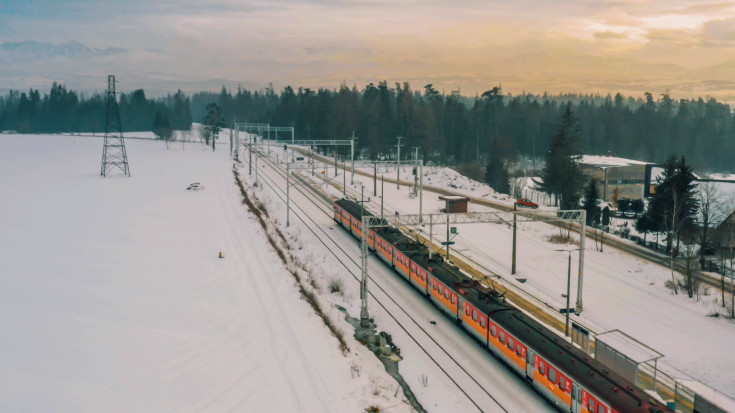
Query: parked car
(526,203)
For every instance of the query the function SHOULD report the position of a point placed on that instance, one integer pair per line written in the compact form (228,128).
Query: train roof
(446,273)
(352,207)
(597,378)
(610,387)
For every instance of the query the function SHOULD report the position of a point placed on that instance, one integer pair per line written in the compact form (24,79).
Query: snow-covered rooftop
(598,160)
(713,396)
(630,347)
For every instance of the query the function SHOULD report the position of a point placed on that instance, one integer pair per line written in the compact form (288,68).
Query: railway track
(451,367)
(539,309)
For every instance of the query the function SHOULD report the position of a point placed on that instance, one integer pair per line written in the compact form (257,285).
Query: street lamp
(569,272)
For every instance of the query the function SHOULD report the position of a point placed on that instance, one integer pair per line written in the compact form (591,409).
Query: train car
(569,378)
(441,279)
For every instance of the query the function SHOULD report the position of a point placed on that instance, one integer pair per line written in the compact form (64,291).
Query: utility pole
(250,154)
(569,276)
(288,197)
(513,260)
(375,178)
(416,171)
(256,169)
(344,177)
(352,152)
(580,274)
(421,191)
(237,145)
(447,234)
(398,170)
(382,186)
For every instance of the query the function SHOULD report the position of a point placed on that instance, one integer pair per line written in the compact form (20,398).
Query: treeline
(454,129)
(63,110)
(448,128)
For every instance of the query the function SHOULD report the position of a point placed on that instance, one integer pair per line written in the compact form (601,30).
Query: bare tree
(689,253)
(710,214)
(672,227)
(726,240)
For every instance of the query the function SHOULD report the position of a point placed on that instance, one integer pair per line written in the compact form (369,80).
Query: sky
(684,48)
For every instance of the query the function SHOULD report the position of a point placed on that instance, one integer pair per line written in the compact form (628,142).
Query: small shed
(455,203)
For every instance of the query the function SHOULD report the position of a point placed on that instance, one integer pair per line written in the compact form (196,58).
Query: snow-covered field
(113,298)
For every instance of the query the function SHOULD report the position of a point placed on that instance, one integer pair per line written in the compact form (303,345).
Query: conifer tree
(590,201)
(561,175)
(213,123)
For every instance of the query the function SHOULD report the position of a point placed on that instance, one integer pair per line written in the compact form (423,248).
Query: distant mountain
(72,49)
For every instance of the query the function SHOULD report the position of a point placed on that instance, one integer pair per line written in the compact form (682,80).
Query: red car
(527,203)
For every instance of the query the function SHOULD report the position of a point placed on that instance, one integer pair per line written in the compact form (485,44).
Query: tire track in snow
(282,321)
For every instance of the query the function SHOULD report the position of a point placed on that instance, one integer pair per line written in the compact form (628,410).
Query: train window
(591,405)
(467,310)
(561,382)
(482,321)
(492,331)
(552,375)
(600,408)
(502,337)
(518,349)
(541,367)
(474,314)
(510,343)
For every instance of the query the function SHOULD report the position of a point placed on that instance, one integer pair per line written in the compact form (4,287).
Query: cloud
(719,32)
(705,8)
(70,49)
(610,35)
(155,50)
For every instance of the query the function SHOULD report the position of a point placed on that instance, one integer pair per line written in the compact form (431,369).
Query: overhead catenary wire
(278,192)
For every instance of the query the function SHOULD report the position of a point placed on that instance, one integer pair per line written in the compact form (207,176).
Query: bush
(472,170)
(336,286)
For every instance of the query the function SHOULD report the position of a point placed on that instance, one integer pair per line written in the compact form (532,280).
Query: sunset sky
(684,47)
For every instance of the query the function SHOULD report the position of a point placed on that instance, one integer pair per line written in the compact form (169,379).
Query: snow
(418,338)
(620,291)
(710,395)
(633,350)
(114,299)
(598,160)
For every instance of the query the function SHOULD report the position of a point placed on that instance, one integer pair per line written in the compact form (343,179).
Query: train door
(576,399)
(529,363)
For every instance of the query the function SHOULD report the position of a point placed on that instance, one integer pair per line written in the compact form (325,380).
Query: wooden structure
(455,203)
